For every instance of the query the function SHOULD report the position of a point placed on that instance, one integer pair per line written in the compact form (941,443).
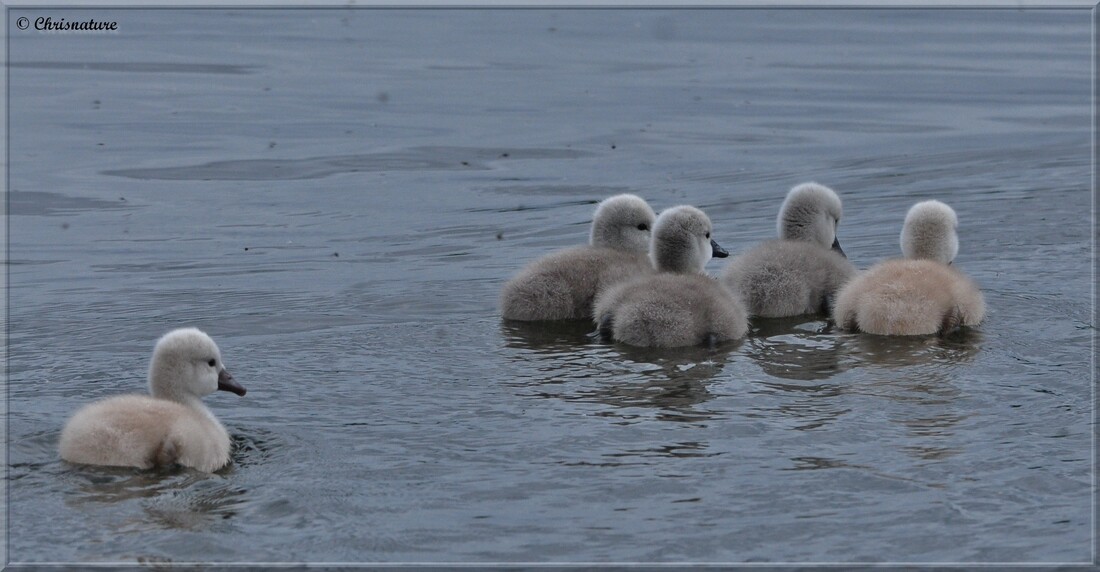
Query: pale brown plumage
(919,295)
(171,426)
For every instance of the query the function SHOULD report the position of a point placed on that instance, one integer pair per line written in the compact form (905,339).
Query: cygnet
(562,285)
(921,294)
(800,272)
(172,426)
(680,305)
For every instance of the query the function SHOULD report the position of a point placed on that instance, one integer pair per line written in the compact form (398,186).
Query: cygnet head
(187,365)
(682,242)
(811,212)
(623,222)
(929,232)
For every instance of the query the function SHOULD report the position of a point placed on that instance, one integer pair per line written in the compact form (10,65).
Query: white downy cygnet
(800,272)
(680,305)
(562,285)
(172,426)
(920,294)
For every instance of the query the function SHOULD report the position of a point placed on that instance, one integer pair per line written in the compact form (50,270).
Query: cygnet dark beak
(836,247)
(717,251)
(226,383)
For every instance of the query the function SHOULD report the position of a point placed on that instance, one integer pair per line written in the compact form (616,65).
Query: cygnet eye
(212,363)
(708,235)
(643,226)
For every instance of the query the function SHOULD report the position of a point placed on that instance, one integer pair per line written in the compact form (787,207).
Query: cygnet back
(563,284)
(680,305)
(920,294)
(800,272)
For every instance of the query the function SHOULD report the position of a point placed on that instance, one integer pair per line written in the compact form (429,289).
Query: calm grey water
(336,196)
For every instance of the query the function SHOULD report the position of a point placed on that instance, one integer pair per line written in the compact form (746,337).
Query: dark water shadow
(172,498)
(574,365)
(960,347)
(547,336)
(139,67)
(99,484)
(804,405)
(674,382)
(252,447)
(542,191)
(924,400)
(917,379)
(802,348)
(33,456)
(529,207)
(414,159)
(666,357)
(918,371)
(799,355)
(36,453)
(40,203)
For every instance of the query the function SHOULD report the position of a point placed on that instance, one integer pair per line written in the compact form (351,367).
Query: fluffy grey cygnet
(172,426)
(800,272)
(680,305)
(920,294)
(562,285)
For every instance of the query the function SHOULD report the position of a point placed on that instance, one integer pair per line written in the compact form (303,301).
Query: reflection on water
(175,497)
(551,338)
(797,348)
(799,355)
(901,351)
(671,381)
(674,389)
(921,375)
(111,484)
(171,499)
(810,354)
(930,431)
(806,406)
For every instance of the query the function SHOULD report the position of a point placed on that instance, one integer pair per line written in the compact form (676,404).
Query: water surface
(336,196)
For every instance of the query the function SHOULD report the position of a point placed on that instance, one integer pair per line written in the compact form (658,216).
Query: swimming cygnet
(170,427)
(920,294)
(680,305)
(562,285)
(800,272)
